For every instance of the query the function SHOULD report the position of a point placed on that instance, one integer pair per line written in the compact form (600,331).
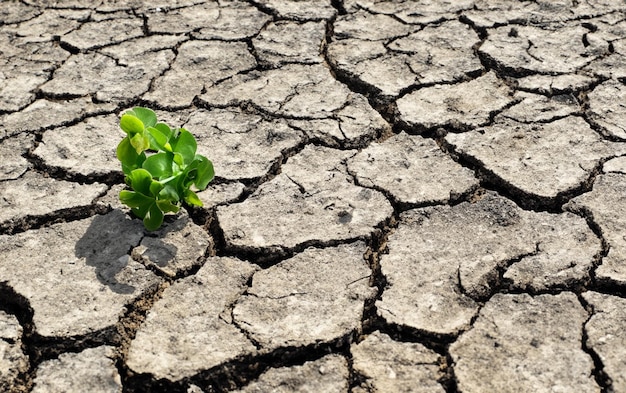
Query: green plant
(161,179)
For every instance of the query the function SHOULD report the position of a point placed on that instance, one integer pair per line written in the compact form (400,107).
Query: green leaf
(158,139)
(154,218)
(159,165)
(169,193)
(192,199)
(205,172)
(185,145)
(141,180)
(167,206)
(165,130)
(139,203)
(134,199)
(140,142)
(128,156)
(147,116)
(131,124)
(155,188)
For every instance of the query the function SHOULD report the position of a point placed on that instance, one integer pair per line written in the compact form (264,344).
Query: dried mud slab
(190,328)
(605,203)
(105,78)
(392,366)
(606,335)
(12,151)
(175,248)
(72,149)
(77,277)
(229,20)
(241,145)
(423,12)
(43,114)
(284,42)
(537,108)
(523,343)
(315,297)
(96,34)
(525,50)
(198,65)
(313,200)
(309,96)
(221,194)
(435,54)
(300,11)
(607,108)
(433,287)
(462,105)
(328,374)
(35,195)
(555,84)
(545,161)
(13,361)
(403,166)
(92,370)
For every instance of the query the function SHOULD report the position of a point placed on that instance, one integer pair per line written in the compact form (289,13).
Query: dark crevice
(600,376)
(28,222)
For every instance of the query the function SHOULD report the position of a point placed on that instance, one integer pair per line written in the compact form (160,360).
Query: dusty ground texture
(411,196)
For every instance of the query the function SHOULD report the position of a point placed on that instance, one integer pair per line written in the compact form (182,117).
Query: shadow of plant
(106,245)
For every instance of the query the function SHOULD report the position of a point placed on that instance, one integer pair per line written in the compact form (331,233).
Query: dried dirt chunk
(524,50)
(423,12)
(13,361)
(221,194)
(92,370)
(43,114)
(36,195)
(392,366)
(403,166)
(198,65)
(50,24)
(463,105)
(76,276)
(315,297)
(555,84)
(13,163)
(433,287)
(229,20)
(241,145)
(607,108)
(106,32)
(284,42)
(190,328)
(299,10)
(542,160)
(73,148)
(176,248)
(435,54)
(312,200)
(522,343)
(105,78)
(328,374)
(304,91)
(606,335)
(536,108)
(307,94)
(606,203)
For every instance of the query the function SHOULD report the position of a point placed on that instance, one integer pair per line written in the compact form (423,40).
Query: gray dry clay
(410,196)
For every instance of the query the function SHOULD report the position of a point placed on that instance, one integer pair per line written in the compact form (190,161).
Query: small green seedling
(161,179)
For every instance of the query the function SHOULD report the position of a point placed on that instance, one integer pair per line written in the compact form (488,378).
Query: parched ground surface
(411,196)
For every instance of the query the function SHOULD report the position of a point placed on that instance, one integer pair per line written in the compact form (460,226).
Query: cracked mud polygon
(410,197)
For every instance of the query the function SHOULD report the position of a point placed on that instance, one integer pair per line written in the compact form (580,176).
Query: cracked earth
(411,196)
